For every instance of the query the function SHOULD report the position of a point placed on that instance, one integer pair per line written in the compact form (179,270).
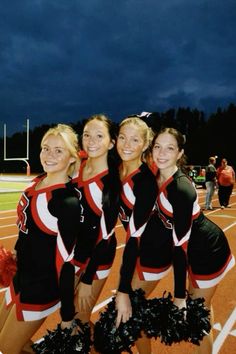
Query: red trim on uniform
(36,217)
(90,200)
(123,195)
(102,267)
(129,177)
(20,307)
(155,270)
(163,186)
(59,262)
(191,275)
(80,265)
(32,191)
(195,216)
(142,269)
(163,190)
(22,207)
(85,184)
(162,206)
(96,178)
(213,275)
(15,299)
(130,182)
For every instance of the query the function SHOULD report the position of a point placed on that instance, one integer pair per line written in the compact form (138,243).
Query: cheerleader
(98,186)
(143,264)
(48,227)
(201,249)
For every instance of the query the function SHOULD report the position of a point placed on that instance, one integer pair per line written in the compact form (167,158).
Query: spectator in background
(210,182)
(192,173)
(226,178)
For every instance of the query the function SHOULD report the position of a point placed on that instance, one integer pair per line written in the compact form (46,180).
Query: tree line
(205,137)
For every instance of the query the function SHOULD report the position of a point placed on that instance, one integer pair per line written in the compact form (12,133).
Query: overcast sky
(63,60)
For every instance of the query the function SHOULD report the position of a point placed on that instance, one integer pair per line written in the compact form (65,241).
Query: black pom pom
(164,320)
(172,325)
(197,319)
(157,317)
(111,340)
(63,342)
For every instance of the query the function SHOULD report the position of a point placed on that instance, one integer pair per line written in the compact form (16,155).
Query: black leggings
(224,194)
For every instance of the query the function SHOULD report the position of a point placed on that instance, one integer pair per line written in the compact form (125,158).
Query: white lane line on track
(228,227)
(122,245)
(101,305)
(9,225)
(7,211)
(7,237)
(224,332)
(7,217)
(223,216)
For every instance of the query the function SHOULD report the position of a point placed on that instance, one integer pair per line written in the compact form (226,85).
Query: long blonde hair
(70,139)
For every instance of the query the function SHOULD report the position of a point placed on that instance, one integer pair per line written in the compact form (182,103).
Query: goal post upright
(24,159)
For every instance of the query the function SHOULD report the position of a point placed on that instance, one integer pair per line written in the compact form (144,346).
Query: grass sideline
(5,185)
(9,200)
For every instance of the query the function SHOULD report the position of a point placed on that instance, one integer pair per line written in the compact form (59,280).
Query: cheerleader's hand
(180,303)
(124,308)
(66,324)
(85,297)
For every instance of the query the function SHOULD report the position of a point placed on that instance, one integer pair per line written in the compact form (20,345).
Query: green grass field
(12,185)
(10,200)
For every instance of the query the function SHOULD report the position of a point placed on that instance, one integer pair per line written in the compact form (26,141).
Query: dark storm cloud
(64,60)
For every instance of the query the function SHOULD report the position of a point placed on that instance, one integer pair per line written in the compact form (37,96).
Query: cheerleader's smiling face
(55,156)
(166,152)
(130,143)
(96,139)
